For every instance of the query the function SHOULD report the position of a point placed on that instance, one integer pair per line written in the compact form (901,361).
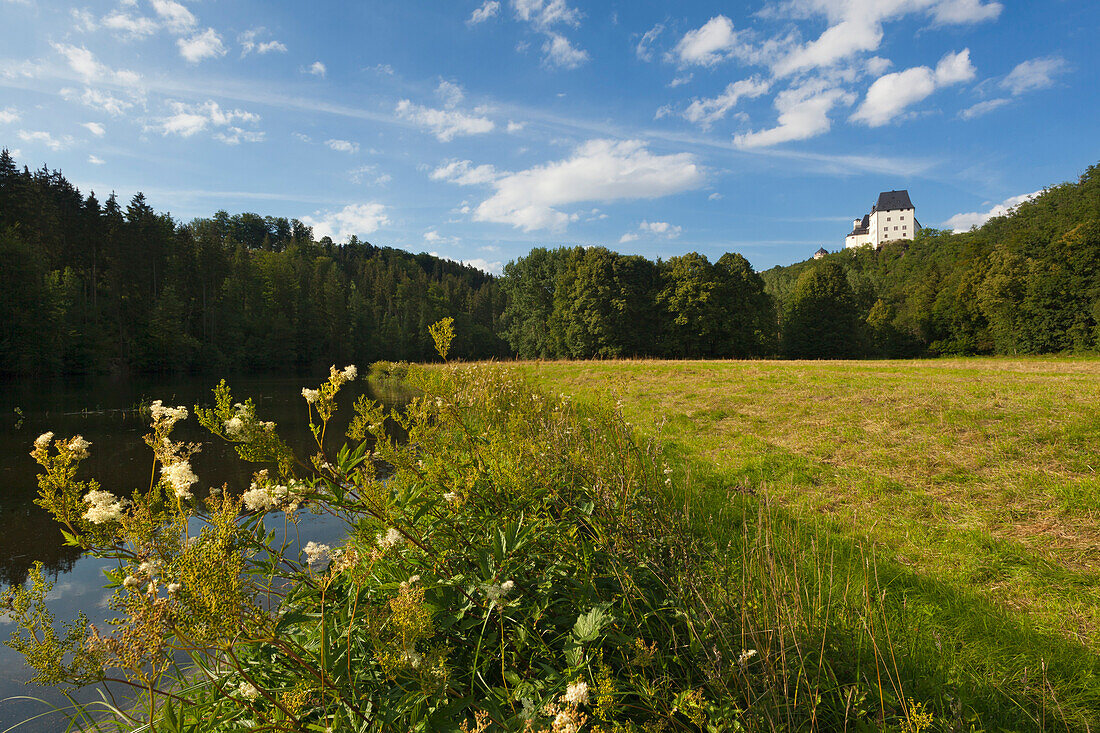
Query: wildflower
(506,586)
(248,691)
(180,477)
(412,657)
(43,440)
(103,507)
(79,447)
(174,588)
(746,656)
(350,372)
(316,552)
(495,592)
(311,395)
(258,499)
(391,538)
(148,567)
(166,416)
(234,427)
(411,581)
(131,582)
(576,693)
(451,497)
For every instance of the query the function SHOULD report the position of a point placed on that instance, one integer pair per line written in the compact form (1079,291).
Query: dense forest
(93,287)
(1025,283)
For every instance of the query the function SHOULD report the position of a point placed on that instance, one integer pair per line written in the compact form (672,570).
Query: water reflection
(105,411)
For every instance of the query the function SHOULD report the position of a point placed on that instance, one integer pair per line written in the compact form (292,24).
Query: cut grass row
(971,483)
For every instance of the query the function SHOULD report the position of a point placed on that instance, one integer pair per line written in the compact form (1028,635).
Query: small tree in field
(443,332)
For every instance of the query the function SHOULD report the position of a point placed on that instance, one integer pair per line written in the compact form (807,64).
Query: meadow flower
(576,693)
(131,582)
(234,427)
(350,372)
(451,497)
(180,477)
(311,395)
(746,655)
(43,440)
(248,691)
(316,552)
(174,587)
(391,538)
(103,506)
(258,499)
(166,416)
(79,447)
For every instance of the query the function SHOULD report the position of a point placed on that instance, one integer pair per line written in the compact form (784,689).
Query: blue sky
(477,130)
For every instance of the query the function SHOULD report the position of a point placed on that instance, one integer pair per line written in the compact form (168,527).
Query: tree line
(91,287)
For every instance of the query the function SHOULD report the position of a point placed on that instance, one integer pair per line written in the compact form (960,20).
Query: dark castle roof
(893,200)
(864,225)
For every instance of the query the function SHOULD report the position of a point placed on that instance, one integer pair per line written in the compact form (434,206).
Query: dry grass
(982,472)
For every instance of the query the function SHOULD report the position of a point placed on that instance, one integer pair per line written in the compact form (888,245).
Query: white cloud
(1034,74)
(982,108)
(445,124)
(644,49)
(46,139)
(628,237)
(234,135)
(598,170)
(127,26)
(559,51)
(9,115)
(706,112)
(83,20)
(205,45)
(317,69)
(891,94)
(95,160)
(715,41)
(660,229)
(381,69)
(958,12)
(175,17)
(84,63)
(187,120)
(95,128)
(450,94)
(250,43)
(361,174)
(495,267)
(488,9)
(546,13)
(464,173)
(963,222)
(343,146)
(102,101)
(357,219)
(714,197)
(836,43)
(803,113)
(514,127)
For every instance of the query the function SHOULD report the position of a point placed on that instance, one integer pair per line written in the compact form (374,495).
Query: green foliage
(821,318)
(443,333)
(93,287)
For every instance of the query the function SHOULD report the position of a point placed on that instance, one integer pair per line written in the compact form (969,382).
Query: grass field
(973,483)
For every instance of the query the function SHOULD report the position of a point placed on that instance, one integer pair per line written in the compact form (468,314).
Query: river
(105,411)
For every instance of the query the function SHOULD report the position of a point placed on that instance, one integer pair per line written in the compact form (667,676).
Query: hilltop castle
(892,217)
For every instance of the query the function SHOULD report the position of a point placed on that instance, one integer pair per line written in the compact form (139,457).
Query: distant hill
(1024,283)
(93,287)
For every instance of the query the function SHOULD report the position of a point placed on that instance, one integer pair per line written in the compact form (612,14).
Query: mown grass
(965,492)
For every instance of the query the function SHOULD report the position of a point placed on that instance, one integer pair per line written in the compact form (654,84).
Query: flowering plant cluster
(508,566)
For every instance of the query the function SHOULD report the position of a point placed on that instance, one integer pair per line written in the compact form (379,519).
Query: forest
(91,287)
(95,287)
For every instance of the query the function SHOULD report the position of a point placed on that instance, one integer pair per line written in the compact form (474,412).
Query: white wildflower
(495,592)
(311,395)
(43,440)
(103,507)
(79,447)
(234,427)
(174,587)
(180,477)
(258,499)
(131,582)
(391,538)
(411,581)
(576,693)
(166,416)
(350,372)
(746,655)
(412,657)
(148,567)
(316,552)
(451,497)
(506,587)
(248,691)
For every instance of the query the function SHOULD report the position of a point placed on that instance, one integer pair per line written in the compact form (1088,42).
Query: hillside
(96,287)
(1025,283)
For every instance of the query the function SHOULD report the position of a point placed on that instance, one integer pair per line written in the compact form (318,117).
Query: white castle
(892,217)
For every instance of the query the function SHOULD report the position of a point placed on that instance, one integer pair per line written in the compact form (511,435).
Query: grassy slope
(975,481)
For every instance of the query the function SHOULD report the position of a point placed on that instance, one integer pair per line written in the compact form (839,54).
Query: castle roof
(822,251)
(864,225)
(893,200)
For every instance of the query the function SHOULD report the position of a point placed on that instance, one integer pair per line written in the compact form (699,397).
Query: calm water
(103,411)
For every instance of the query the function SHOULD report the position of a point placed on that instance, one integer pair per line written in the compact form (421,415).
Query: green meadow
(959,497)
